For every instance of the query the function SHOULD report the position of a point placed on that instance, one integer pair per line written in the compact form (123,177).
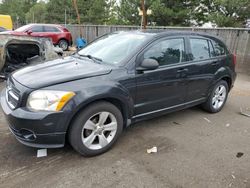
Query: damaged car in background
(19,51)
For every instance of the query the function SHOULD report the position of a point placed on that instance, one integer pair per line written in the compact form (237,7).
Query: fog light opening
(27,134)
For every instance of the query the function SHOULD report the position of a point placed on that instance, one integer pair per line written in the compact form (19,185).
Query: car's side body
(55,32)
(138,94)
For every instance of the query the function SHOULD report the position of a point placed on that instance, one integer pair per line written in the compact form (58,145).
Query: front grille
(12,96)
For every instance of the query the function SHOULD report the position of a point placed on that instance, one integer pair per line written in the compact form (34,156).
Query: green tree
(172,12)
(164,12)
(127,12)
(37,13)
(93,12)
(228,13)
(56,11)
(17,9)
(111,12)
(224,13)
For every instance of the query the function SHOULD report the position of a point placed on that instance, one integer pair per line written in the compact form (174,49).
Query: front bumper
(35,129)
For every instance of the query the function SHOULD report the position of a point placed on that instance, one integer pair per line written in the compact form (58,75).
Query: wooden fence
(237,39)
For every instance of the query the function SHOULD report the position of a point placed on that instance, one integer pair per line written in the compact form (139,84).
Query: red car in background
(59,35)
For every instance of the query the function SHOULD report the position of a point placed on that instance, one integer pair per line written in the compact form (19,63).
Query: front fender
(92,90)
(107,91)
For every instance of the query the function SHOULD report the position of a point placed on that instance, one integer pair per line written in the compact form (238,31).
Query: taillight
(234,59)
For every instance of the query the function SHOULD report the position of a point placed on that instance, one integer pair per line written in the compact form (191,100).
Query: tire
(217,98)
(63,44)
(88,135)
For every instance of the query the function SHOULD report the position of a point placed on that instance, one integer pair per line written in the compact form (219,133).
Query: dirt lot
(195,149)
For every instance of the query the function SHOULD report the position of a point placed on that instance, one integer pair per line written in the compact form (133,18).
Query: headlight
(48,100)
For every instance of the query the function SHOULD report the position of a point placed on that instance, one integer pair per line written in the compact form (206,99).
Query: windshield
(115,47)
(23,28)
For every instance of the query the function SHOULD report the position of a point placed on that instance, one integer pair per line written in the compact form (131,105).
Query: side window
(219,48)
(169,51)
(37,28)
(199,48)
(51,29)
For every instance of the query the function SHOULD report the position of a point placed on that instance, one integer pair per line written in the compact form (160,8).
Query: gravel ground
(195,149)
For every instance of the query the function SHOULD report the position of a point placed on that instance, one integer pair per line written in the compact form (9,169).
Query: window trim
(210,44)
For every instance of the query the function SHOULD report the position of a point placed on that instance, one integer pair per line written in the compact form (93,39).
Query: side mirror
(29,32)
(148,64)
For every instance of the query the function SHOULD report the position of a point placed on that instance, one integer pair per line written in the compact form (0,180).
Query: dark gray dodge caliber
(121,78)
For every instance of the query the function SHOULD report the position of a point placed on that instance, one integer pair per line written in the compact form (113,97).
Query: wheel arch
(63,38)
(226,74)
(228,80)
(121,105)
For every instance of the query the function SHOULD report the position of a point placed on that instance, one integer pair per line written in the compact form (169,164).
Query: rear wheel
(96,129)
(217,98)
(63,44)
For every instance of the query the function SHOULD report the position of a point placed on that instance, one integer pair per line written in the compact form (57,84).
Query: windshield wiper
(95,59)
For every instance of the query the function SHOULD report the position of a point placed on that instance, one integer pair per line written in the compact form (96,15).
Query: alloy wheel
(99,130)
(219,97)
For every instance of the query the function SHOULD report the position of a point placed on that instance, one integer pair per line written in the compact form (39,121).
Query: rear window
(200,49)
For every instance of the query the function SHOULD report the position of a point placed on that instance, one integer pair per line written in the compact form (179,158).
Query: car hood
(59,71)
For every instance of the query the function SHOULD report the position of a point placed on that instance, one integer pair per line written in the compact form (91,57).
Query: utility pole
(144,14)
(33,17)
(65,17)
(78,15)
(77,12)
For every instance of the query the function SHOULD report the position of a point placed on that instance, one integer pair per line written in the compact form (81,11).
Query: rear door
(202,68)
(165,87)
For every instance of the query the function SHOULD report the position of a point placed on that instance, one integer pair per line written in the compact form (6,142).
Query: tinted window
(37,28)
(51,29)
(219,48)
(200,49)
(166,52)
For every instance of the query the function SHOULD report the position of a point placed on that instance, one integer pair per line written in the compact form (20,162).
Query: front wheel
(217,98)
(96,129)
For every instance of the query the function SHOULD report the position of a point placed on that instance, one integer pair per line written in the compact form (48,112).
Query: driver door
(164,88)
(37,31)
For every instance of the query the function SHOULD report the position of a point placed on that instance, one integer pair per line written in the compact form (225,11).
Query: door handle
(215,63)
(182,73)
(182,70)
